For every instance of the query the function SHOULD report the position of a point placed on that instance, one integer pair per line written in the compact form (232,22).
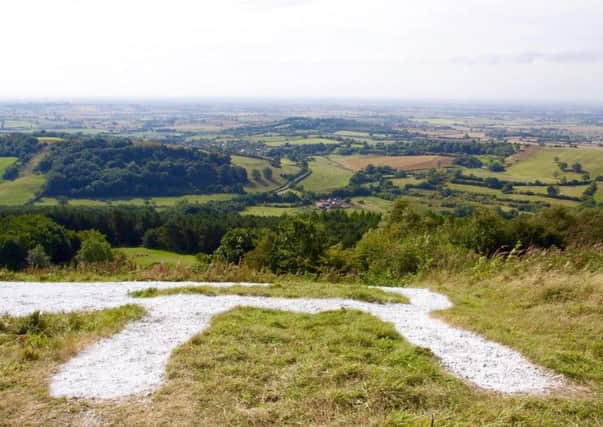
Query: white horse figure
(132,362)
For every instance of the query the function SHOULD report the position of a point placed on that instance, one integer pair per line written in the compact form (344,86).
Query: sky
(500,50)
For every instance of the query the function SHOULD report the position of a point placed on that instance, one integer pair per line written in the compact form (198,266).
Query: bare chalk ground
(132,362)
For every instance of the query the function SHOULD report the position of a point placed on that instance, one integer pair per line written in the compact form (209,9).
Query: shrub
(94,248)
(234,244)
(37,257)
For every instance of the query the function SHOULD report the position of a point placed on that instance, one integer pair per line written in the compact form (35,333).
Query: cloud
(530,58)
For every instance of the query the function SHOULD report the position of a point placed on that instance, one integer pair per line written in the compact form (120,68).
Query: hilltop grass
(344,367)
(290,289)
(554,318)
(32,348)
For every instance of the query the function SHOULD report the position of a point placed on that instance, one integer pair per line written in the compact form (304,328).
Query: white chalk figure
(132,362)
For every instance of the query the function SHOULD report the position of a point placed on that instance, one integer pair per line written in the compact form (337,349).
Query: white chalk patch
(133,361)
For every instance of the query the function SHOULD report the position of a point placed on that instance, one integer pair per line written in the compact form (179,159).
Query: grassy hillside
(327,175)
(541,164)
(358,162)
(21,190)
(500,195)
(267,367)
(251,163)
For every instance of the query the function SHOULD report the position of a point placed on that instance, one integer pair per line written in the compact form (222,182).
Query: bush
(37,257)
(234,244)
(94,248)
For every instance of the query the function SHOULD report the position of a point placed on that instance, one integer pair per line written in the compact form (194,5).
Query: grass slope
(327,175)
(21,190)
(267,367)
(500,195)
(358,162)
(251,163)
(541,164)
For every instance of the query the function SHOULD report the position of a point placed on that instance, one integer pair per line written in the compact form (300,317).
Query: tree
(12,254)
(94,248)
(507,188)
(496,167)
(37,257)
(577,167)
(11,173)
(552,191)
(20,233)
(297,246)
(256,175)
(235,244)
(267,172)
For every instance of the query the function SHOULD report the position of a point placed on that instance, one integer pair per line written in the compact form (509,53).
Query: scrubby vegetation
(336,245)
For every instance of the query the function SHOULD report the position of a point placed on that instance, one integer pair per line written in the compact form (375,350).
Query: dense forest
(119,168)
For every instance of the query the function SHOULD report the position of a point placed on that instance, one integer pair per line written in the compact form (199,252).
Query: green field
(5,162)
(351,133)
(371,203)
(159,202)
(275,142)
(401,182)
(541,165)
(146,257)
(327,175)
(21,190)
(565,190)
(500,195)
(251,163)
(273,210)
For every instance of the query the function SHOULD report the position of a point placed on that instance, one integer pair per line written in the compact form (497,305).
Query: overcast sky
(517,50)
